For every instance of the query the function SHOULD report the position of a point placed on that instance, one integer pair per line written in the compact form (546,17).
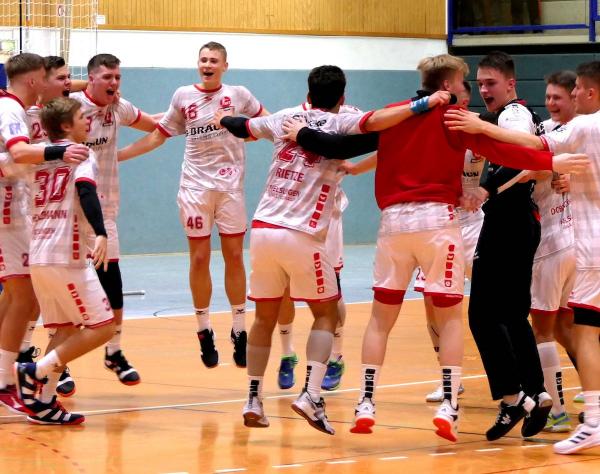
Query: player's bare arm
(391,116)
(78,85)
(469,122)
(144,145)
(24,153)
(146,123)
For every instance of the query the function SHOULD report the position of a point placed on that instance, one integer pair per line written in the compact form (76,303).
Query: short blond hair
(436,69)
(56,113)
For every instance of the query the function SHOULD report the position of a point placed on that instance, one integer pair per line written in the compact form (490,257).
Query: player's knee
(445,301)
(199,259)
(389,297)
(112,284)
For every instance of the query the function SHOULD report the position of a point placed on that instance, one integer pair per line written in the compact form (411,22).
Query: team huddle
(461,195)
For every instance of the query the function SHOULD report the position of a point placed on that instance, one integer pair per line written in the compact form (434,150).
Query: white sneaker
(438,394)
(584,437)
(254,414)
(364,417)
(446,421)
(313,412)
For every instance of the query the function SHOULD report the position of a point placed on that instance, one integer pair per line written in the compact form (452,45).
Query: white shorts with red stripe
(334,243)
(281,256)
(70,296)
(199,210)
(113,251)
(439,253)
(14,253)
(586,290)
(552,281)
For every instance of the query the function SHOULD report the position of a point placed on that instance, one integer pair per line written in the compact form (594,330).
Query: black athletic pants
(500,302)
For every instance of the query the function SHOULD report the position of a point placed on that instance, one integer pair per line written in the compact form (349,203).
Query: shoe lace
(29,354)
(121,361)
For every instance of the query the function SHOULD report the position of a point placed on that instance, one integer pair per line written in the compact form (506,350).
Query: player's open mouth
(110,92)
(66,93)
(208,74)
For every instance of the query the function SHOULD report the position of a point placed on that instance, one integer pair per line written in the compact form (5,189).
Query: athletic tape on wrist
(419,106)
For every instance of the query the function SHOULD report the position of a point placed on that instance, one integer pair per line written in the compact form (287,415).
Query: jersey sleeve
(173,122)
(127,113)
(265,127)
(516,117)
(348,124)
(568,138)
(13,127)
(87,170)
(251,106)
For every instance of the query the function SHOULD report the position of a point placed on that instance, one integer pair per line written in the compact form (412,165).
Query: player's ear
(226,65)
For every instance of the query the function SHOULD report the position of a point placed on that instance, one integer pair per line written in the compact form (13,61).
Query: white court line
(536,446)
(237,469)
(488,450)
(393,458)
(346,461)
(283,466)
(442,454)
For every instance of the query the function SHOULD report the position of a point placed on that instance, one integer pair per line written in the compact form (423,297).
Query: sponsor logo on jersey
(225,102)
(108,119)
(97,142)
(202,130)
(560,208)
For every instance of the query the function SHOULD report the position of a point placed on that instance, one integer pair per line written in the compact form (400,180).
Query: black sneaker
(508,417)
(239,348)
(581,417)
(119,365)
(536,419)
(27,356)
(53,413)
(66,385)
(208,352)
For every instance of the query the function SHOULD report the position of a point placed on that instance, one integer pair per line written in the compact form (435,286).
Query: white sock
(49,388)
(450,383)
(114,345)
(47,364)
(238,315)
(521,397)
(286,335)
(338,340)
(552,375)
(368,380)
(315,372)
(255,386)
(26,343)
(592,407)
(7,361)
(203,318)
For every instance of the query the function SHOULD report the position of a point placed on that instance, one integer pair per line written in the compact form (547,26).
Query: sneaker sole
(133,382)
(543,412)
(576,448)
(444,429)
(41,422)
(310,421)
(557,429)
(66,394)
(287,387)
(363,426)
(252,420)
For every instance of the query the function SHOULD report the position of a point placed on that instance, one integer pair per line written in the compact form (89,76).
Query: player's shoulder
(350,109)
(515,111)
(550,125)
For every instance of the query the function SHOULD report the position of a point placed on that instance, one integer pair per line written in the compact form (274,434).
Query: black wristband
(54,152)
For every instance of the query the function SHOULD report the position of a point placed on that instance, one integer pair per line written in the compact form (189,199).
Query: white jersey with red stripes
(59,225)
(14,128)
(214,159)
(103,128)
(301,187)
(38,134)
(582,135)
(555,212)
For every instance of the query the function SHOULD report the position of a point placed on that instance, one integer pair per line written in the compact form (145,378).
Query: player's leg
(21,304)
(336,365)
(289,359)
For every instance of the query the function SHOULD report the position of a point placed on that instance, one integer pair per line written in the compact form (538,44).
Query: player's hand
(561,184)
(100,252)
(76,153)
(219,114)
(348,167)
(291,126)
(473,199)
(438,98)
(464,120)
(573,163)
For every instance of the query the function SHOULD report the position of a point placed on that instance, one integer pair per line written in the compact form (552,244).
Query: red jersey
(420,160)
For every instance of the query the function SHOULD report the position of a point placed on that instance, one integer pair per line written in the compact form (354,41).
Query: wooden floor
(186,418)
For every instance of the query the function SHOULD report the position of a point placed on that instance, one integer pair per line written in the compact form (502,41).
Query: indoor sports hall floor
(184,418)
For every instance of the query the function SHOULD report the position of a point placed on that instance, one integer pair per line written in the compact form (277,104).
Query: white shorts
(334,243)
(470,235)
(280,256)
(438,252)
(113,251)
(199,210)
(70,296)
(14,253)
(586,290)
(552,282)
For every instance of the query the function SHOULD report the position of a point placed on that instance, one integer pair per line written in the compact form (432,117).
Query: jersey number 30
(52,186)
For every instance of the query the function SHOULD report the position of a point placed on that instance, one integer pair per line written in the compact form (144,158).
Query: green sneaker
(333,376)
(558,424)
(579,398)
(286,378)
